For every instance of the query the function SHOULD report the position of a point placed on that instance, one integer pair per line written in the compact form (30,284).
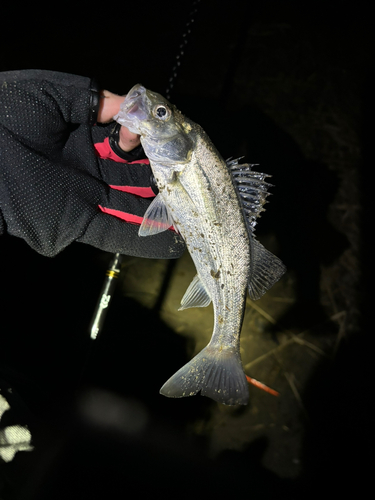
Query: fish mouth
(133,103)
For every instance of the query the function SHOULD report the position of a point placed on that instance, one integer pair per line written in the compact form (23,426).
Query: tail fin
(216,372)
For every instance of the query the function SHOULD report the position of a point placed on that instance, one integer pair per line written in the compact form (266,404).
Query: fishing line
(186,36)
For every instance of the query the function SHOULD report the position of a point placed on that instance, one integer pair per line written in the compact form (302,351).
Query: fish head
(165,133)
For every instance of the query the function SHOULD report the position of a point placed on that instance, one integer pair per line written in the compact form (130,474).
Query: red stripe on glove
(143,192)
(132,219)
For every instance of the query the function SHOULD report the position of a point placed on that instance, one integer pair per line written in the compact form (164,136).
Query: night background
(289,86)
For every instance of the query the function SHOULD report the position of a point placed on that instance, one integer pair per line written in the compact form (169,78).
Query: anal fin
(196,295)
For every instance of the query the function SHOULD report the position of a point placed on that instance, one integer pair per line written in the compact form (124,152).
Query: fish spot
(222,286)
(215,275)
(187,127)
(221,322)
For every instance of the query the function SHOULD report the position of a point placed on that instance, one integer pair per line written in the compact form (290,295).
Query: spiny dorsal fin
(252,189)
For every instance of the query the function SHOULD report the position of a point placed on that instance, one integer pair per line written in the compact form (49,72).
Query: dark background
(46,304)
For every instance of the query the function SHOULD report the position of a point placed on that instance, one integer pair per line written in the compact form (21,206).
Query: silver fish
(214,205)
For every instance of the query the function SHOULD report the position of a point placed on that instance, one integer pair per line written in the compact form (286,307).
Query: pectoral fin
(267,269)
(196,295)
(156,219)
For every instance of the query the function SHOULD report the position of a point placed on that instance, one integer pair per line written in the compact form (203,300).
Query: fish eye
(162,112)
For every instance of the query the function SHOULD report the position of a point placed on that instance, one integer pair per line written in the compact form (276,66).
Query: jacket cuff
(94,102)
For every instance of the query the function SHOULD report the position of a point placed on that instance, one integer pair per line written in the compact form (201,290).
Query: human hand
(54,189)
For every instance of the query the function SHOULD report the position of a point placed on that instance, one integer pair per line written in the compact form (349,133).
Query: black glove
(57,169)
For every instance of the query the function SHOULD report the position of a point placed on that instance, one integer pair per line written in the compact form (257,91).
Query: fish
(214,205)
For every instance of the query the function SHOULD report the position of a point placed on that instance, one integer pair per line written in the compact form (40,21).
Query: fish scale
(214,205)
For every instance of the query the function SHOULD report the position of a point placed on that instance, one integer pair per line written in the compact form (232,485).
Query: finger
(128,140)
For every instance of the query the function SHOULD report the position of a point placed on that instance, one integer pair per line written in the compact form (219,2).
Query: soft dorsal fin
(267,269)
(156,219)
(252,189)
(196,295)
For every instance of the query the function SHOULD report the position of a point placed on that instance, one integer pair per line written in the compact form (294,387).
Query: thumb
(128,140)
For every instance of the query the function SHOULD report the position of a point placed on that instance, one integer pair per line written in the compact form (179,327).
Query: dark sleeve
(41,107)
(38,112)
